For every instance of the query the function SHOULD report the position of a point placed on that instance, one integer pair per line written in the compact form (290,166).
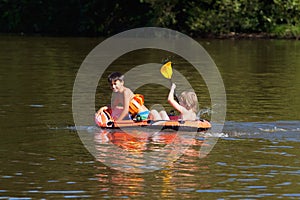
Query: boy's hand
(173,86)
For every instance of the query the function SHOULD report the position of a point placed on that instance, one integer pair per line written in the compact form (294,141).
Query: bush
(106,17)
(286,31)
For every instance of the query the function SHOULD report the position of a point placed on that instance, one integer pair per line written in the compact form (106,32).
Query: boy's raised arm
(172,101)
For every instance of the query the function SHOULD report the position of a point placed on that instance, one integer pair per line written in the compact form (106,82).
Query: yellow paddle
(167,71)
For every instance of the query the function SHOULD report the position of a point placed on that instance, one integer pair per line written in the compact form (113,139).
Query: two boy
(127,105)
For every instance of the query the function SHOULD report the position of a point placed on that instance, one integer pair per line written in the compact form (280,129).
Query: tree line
(275,18)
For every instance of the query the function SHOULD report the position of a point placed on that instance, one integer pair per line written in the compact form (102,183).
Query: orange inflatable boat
(104,120)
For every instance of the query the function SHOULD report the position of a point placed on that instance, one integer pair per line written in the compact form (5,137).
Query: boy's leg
(155,115)
(163,114)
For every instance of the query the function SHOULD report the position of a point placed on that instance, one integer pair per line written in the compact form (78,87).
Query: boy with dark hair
(125,104)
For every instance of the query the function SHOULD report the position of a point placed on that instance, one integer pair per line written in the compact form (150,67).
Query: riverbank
(286,35)
(231,35)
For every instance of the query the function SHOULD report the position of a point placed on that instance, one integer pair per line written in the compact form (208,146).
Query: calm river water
(42,156)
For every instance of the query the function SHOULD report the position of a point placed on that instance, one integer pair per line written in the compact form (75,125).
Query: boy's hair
(190,100)
(115,76)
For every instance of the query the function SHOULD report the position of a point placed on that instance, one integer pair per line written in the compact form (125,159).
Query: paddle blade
(166,70)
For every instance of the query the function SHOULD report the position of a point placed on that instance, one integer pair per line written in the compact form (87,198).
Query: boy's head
(115,76)
(189,100)
(116,81)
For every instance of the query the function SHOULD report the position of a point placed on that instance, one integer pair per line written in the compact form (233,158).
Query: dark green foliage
(106,17)
(71,17)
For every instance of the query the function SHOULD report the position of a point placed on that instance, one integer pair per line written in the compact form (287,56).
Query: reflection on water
(138,151)
(145,185)
(42,156)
